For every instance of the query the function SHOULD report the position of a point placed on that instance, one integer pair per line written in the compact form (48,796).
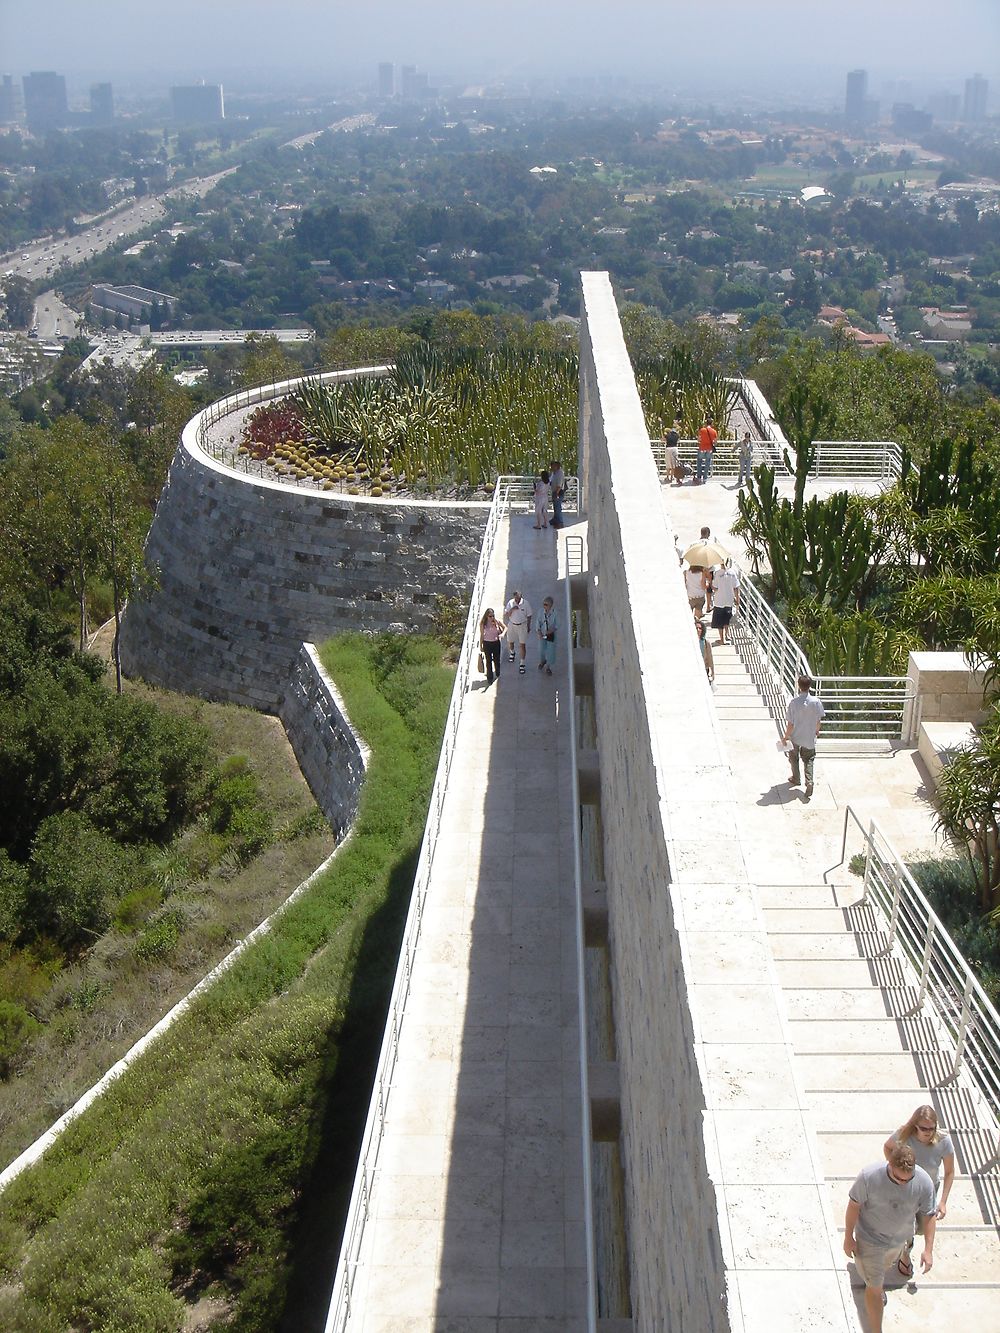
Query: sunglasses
(926,1129)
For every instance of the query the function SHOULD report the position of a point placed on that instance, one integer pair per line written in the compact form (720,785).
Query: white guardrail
(510,491)
(857,707)
(944,978)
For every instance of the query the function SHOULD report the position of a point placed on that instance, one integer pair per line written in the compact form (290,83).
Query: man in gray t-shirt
(884,1202)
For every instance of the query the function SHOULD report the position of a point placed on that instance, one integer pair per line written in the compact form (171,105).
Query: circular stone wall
(245,570)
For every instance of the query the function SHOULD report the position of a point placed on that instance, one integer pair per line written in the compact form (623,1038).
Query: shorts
(671,461)
(874,1261)
(721,616)
(517,634)
(697,603)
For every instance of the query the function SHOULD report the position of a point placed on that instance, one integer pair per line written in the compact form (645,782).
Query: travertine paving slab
(477,1200)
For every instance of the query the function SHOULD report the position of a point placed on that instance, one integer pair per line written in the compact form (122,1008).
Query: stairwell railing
(858,708)
(944,978)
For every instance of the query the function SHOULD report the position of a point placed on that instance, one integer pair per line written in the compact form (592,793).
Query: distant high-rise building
(856,97)
(102,104)
(8,106)
(386,79)
(413,84)
(944,106)
(976,91)
(906,119)
(45,105)
(200,104)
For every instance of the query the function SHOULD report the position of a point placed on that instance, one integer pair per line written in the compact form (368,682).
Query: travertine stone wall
(331,755)
(722,1175)
(246,570)
(947,687)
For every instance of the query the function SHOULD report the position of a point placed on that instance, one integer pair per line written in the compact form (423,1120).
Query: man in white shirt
(804,715)
(517,618)
(726,599)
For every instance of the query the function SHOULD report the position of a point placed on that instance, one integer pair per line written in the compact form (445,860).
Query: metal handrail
(358,1209)
(857,458)
(857,707)
(967,1016)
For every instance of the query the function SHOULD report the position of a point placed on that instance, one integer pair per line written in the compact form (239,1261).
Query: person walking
(886,1201)
(804,716)
(706,651)
(517,619)
(745,459)
(725,599)
(491,631)
(542,500)
(557,485)
(707,435)
(548,625)
(933,1150)
(697,589)
(672,456)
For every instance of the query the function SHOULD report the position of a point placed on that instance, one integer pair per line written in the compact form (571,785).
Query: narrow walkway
(864,1058)
(477,1201)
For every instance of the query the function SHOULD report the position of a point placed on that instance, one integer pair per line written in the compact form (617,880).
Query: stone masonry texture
(244,571)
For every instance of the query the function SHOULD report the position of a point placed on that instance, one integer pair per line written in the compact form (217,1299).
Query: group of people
(550,484)
(707,437)
(893,1201)
(516,628)
(714,590)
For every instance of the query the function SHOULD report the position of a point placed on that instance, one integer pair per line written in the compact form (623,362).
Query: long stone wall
(245,570)
(719,1157)
(331,755)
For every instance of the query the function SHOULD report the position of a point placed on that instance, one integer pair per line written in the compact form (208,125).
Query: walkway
(863,1059)
(478,1199)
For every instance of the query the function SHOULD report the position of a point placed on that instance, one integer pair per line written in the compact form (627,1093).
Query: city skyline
(638,39)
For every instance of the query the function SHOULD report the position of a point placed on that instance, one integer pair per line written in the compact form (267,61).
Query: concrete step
(872,1112)
(842,946)
(775,897)
(835,920)
(858,1036)
(895,1070)
(862,1003)
(851,974)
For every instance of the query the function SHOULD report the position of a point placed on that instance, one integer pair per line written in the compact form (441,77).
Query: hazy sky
(692,43)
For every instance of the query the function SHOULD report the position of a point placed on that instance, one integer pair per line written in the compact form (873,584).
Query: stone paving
(863,1059)
(478,1196)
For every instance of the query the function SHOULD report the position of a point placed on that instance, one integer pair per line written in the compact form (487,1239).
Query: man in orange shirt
(707,436)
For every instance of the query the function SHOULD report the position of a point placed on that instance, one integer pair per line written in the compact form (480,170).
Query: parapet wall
(331,755)
(718,1152)
(246,570)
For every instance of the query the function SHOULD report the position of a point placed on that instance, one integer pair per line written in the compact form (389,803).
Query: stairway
(865,1057)
(737,698)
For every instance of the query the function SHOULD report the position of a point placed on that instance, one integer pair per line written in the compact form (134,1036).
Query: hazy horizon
(775,48)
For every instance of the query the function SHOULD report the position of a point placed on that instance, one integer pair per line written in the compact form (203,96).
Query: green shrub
(77,872)
(17,1029)
(135,908)
(237,811)
(158,939)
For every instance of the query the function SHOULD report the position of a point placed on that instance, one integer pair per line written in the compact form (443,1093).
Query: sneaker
(541,666)
(512,656)
(521,668)
(809,790)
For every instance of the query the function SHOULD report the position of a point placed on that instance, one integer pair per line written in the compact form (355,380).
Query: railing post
(925,966)
(963,1027)
(896,896)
